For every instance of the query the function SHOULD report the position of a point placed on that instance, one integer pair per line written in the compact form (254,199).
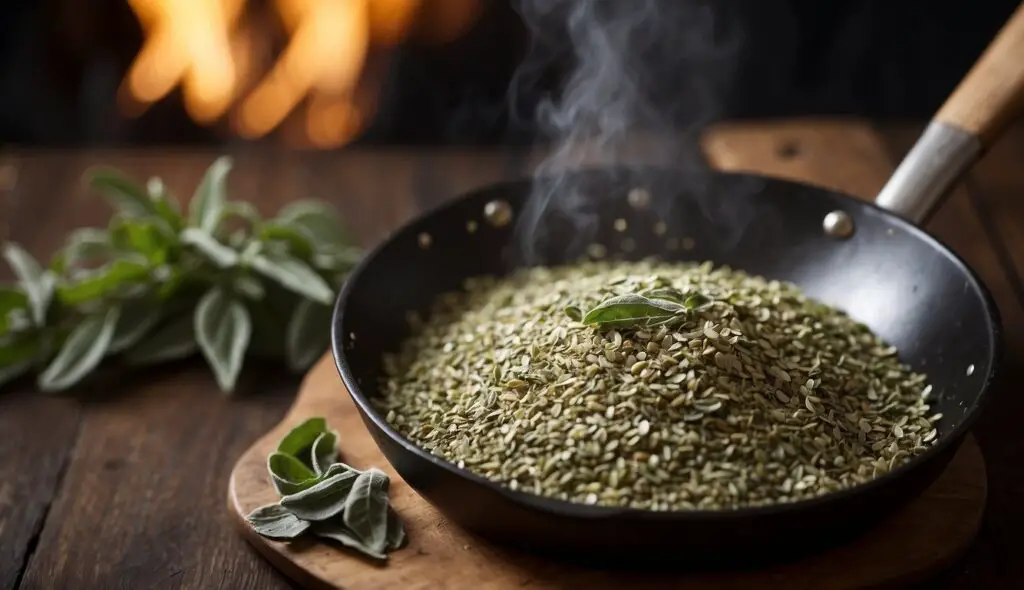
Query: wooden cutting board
(926,535)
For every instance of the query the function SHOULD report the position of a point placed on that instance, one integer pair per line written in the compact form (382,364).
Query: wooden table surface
(124,487)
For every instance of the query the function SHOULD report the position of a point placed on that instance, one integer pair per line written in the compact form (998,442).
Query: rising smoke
(656,69)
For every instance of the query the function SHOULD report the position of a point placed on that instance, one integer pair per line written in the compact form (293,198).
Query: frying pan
(869,259)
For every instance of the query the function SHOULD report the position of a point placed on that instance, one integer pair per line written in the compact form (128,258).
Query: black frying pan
(868,259)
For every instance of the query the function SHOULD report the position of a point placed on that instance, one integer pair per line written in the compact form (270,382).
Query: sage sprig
(328,498)
(663,306)
(159,284)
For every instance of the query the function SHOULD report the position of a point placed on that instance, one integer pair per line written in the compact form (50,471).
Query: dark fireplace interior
(446,80)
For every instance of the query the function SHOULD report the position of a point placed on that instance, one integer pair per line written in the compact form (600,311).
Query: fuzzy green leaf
(309,334)
(217,253)
(210,197)
(151,239)
(366,509)
(396,531)
(293,274)
(276,522)
(38,284)
(324,452)
(223,329)
(322,500)
(137,319)
(171,341)
(318,220)
(288,474)
(125,196)
(340,533)
(11,300)
(111,279)
(299,440)
(82,351)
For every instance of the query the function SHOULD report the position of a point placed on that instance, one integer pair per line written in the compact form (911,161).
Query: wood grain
(991,96)
(846,157)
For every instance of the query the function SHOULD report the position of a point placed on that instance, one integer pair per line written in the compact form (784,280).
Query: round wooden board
(926,535)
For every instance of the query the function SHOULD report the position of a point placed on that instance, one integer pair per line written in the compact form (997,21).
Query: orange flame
(203,47)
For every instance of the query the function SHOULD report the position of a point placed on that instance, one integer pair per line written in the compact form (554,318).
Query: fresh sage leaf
(171,341)
(12,299)
(241,210)
(166,205)
(309,334)
(396,536)
(124,196)
(290,476)
(83,350)
(149,238)
(108,280)
(631,310)
(210,197)
(696,301)
(336,258)
(340,533)
(299,440)
(322,500)
(219,254)
(366,509)
(37,283)
(135,321)
(324,452)
(223,329)
(317,220)
(299,243)
(276,522)
(293,274)
(19,348)
(88,247)
(249,287)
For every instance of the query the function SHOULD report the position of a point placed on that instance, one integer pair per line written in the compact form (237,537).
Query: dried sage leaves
(656,386)
(328,498)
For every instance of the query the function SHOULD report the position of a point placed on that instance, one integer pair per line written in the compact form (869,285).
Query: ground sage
(681,386)
(328,498)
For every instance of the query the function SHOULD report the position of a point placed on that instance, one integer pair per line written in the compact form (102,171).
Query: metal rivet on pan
(425,240)
(970,370)
(498,213)
(838,225)
(639,198)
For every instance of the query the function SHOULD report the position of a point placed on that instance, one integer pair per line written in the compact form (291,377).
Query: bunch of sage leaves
(159,284)
(325,497)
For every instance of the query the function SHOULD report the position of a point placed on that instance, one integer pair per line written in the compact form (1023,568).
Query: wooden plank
(140,505)
(963,224)
(39,432)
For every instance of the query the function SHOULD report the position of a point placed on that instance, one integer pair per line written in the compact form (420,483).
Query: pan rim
(565,508)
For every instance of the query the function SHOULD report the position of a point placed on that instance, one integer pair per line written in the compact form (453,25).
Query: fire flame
(206,47)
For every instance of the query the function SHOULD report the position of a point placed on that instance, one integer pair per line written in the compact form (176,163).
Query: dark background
(62,60)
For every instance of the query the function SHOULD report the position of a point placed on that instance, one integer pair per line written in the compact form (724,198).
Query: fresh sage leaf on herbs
(217,280)
(301,438)
(221,255)
(324,452)
(210,198)
(84,348)
(324,499)
(308,334)
(631,310)
(38,284)
(171,341)
(223,329)
(366,509)
(276,522)
(338,503)
(293,274)
(289,474)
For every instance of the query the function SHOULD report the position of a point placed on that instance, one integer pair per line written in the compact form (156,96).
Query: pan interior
(903,284)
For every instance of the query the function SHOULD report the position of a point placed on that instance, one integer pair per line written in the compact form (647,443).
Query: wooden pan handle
(983,105)
(989,98)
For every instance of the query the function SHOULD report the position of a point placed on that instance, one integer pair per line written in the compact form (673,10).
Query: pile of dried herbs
(655,385)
